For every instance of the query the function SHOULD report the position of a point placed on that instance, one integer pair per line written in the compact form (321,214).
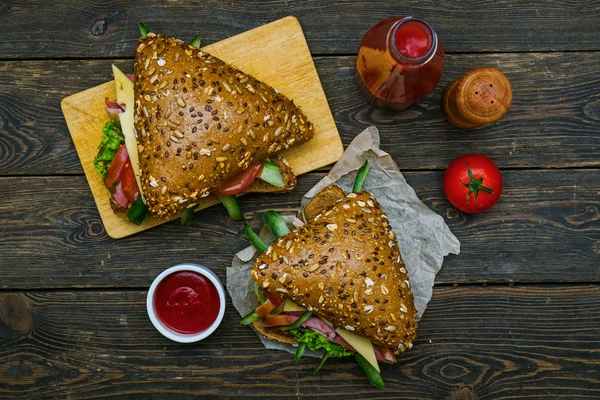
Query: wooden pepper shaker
(482,96)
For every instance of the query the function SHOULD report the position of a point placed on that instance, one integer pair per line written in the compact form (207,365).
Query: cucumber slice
(143,29)
(275,223)
(255,240)
(270,164)
(233,207)
(300,351)
(196,42)
(249,318)
(137,211)
(298,322)
(187,215)
(372,374)
(360,177)
(271,174)
(318,367)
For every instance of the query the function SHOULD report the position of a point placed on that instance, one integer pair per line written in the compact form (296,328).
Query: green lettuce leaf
(112,138)
(316,341)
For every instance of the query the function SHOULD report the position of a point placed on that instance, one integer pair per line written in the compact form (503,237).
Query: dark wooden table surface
(515,315)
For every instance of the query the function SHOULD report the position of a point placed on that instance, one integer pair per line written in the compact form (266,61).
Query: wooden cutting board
(275,53)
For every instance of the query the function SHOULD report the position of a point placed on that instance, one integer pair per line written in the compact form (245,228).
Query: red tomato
(129,183)
(472,183)
(113,175)
(274,298)
(238,183)
(279,320)
(264,309)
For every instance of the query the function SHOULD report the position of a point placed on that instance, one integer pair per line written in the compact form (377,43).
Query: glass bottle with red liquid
(399,61)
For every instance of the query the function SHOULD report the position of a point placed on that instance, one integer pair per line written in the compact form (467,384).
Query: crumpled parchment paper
(423,236)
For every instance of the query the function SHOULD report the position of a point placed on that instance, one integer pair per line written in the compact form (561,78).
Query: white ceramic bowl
(168,332)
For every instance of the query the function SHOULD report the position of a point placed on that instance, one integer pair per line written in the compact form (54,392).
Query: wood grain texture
(108,29)
(293,73)
(505,343)
(545,228)
(553,121)
(500,341)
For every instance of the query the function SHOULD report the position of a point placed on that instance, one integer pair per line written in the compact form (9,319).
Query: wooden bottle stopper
(482,96)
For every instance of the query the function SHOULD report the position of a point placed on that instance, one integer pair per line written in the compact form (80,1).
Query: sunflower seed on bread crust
(350,275)
(194,103)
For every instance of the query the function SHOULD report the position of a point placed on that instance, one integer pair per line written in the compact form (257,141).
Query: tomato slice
(264,309)
(275,299)
(273,320)
(129,183)
(238,183)
(113,174)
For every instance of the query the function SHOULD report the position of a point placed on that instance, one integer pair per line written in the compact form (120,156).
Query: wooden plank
(553,122)
(522,342)
(90,29)
(545,228)
(293,72)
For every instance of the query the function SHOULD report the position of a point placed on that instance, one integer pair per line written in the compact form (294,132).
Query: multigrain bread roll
(201,121)
(345,265)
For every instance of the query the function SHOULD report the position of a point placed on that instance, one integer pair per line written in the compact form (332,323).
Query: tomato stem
(475,185)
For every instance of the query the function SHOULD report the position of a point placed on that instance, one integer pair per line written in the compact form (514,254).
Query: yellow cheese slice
(361,345)
(125,96)
(289,306)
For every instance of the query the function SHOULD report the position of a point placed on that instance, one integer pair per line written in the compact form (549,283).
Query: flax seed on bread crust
(200,122)
(345,265)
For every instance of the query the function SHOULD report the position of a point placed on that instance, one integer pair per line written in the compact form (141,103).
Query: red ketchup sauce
(413,39)
(400,60)
(187,302)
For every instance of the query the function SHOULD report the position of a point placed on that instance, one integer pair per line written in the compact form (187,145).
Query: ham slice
(340,340)
(119,198)
(317,324)
(383,354)
(113,175)
(113,108)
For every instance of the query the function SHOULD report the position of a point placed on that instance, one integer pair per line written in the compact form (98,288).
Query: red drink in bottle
(399,61)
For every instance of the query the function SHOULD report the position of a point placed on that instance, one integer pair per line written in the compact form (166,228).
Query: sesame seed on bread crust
(201,121)
(345,265)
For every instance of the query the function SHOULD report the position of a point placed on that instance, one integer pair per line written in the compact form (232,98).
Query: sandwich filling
(192,125)
(287,322)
